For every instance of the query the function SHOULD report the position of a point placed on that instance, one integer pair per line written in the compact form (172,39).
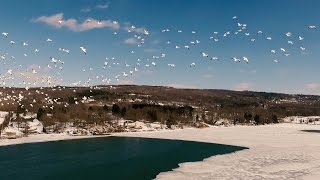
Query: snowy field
(281,151)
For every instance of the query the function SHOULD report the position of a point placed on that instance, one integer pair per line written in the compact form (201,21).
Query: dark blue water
(102,158)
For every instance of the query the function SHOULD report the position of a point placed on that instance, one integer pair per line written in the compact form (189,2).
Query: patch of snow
(279,151)
(2,116)
(302,119)
(35,126)
(41,138)
(29,116)
(11,132)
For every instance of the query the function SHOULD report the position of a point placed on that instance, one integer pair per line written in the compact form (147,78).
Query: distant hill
(158,103)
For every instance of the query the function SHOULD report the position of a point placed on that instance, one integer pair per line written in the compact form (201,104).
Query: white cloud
(253,71)
(103,6)
(74,25)
(243,86)
(99,6)
(312,86)
(157,41)
(131,41)
(51,20)
(139,30)
(39,77)
(151,50)
(136,30)
(86,10)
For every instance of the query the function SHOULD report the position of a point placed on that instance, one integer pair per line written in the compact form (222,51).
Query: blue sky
(34,21)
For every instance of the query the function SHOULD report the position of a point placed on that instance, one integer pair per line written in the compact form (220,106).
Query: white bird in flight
(5,34)
(84,50)
(312,27)
(288,34)
(235,59)
(9,71)
(245,59)
(214,58)
(204,54)
(290,42)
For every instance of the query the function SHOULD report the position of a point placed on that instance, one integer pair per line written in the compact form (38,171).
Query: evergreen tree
(115,109)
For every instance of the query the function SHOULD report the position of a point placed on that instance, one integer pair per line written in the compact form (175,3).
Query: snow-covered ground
(302,119)
(14,130)
(281,151)
(35,138)
(2,116)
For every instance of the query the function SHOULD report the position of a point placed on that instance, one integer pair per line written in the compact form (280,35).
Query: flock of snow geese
(30,77)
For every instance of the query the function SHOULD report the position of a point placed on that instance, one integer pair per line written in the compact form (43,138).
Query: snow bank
(11,132)
(302,119)
(2,116)
(15,130)
(140,126)
(35,126)
(35,138)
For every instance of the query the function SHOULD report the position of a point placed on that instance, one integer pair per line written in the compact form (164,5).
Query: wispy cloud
(139,30)
(243,86)
(151,50)
(312,86)
(98,6)
(132,28)
(207,76)
(33,66)
(131,41)
(252,71)
(154,42)
(86,10)
(103,6)
(40,78)
(72,24)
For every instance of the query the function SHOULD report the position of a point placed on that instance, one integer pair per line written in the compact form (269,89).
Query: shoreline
(278,151)
(39,138)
